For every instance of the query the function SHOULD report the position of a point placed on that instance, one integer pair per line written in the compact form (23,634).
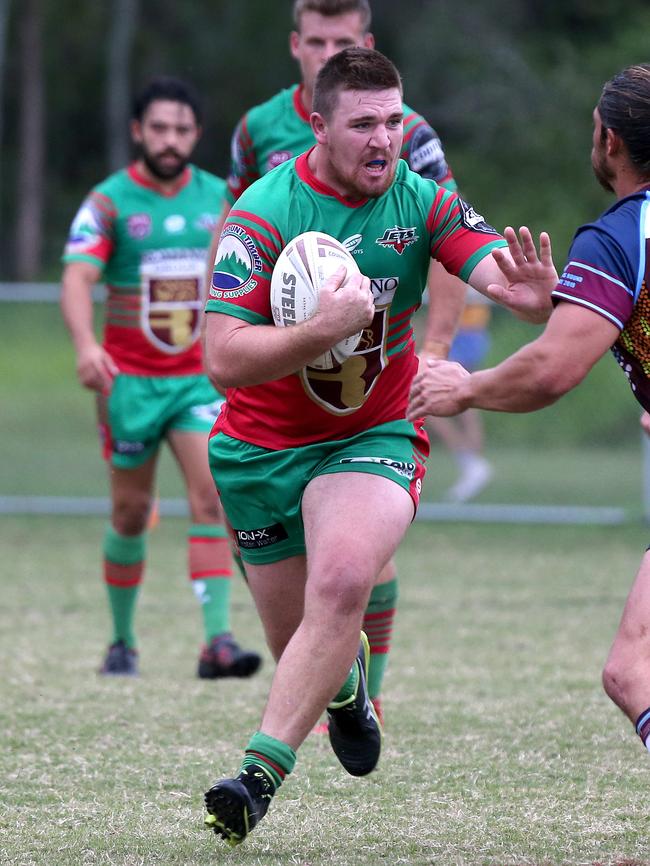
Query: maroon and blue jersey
(608,272)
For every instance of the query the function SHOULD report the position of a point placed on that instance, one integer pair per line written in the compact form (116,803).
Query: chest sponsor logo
(352,243)
(383,289)
(172,298)
(251,539)
(138,226)
(174,223)
(398,238)
(277,157)
(238,261)
(473,220)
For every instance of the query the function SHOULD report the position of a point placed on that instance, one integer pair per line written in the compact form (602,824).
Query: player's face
(599,158)
(363,141)
(166,135)
(321,36)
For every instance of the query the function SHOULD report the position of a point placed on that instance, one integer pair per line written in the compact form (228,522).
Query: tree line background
(509,85)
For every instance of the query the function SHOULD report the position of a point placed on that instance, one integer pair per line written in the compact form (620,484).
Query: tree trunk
(118,90)
(31,128)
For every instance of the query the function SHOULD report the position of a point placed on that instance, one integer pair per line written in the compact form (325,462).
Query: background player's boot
(235,806)
(223,657)
(354,729)
(120,661)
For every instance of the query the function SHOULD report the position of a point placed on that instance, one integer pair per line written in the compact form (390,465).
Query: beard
(604,174)
(359,187)
(162,170)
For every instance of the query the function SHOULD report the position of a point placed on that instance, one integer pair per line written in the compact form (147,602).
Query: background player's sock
(643,728)
(378,626)
(276,758)
(349,687)
(210,571)
(123,570)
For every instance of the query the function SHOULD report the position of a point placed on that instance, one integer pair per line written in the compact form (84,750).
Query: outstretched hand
(530,277)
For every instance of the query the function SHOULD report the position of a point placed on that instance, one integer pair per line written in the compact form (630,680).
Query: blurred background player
(278,130)
(464,434)
(145,230)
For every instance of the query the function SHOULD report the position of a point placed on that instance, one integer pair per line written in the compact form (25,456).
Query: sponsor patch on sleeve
(473,220)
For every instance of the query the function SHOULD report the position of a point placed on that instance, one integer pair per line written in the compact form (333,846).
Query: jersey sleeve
(422,150)
(249,247)
(91,235)
(243,162)
(599,275)
(459,236)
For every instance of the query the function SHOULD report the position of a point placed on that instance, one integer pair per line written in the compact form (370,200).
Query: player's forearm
(77,310)
(526,381)
(446,302)
(251,355)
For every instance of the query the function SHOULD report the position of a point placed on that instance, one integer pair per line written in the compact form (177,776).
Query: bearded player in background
(145,230)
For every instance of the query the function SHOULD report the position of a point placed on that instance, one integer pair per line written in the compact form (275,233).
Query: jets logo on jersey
(398,238)
(237,262)
(473,220)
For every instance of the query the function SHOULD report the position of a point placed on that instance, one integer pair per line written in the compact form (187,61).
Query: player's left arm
(446,303)
(535,376)
(518,278)
(424,154)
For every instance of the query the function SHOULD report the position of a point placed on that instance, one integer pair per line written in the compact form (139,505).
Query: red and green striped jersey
(277,130)
(392,238)
(151,248)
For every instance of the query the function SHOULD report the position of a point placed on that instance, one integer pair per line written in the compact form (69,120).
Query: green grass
(501,747)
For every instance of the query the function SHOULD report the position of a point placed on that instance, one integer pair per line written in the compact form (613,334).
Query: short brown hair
(331,8)
(352,69)
(624,106)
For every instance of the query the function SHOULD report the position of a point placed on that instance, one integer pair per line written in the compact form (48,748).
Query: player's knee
(617,677)
(130,515)
(344,587)
(204,505)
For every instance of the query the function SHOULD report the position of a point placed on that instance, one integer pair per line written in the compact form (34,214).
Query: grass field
(500,747)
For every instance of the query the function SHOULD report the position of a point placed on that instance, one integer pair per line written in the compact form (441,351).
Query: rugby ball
(301,269)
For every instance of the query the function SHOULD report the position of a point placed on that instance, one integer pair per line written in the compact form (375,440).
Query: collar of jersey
(137,177)
(307,176)
(301,111)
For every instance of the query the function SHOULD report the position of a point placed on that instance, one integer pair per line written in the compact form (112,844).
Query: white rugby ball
(300,270)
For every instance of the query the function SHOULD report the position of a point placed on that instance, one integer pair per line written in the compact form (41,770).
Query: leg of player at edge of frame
(626,675)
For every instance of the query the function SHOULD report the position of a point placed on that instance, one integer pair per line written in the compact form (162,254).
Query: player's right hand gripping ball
(307,262)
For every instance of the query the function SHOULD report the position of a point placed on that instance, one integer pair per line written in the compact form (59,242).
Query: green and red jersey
(278,129)
(151,248)
(392,238)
